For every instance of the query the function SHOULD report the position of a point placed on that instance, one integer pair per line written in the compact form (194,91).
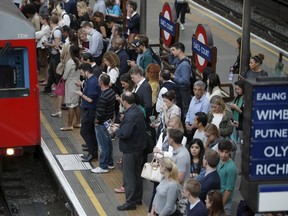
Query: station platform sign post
(204,53)
(264,181)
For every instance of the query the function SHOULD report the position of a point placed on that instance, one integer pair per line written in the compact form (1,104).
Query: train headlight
(10,151)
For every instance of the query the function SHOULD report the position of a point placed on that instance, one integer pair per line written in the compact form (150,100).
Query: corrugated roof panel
(13,24)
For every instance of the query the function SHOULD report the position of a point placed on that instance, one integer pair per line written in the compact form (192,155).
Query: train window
(14,71)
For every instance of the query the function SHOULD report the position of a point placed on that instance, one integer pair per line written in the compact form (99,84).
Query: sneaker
(111,167)
(99,170)
(182,27)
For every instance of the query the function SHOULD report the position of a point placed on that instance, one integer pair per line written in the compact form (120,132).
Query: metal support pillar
(143,16)
(245,41)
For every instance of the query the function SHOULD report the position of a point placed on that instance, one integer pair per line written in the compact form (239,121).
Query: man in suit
(131,133)
(142,89)
(133,21)
(211,180)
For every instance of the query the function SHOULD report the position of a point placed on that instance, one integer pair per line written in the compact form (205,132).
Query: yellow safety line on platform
(232,29)
(58,142)
(90,193)
(78,174)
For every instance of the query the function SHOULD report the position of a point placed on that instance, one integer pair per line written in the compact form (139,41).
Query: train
(19,90)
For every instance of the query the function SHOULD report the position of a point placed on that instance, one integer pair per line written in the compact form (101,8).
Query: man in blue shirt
(90,95)
(182,74)
(199,103)
(95,42)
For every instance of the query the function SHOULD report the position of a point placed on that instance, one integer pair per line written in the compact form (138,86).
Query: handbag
(151,171)
(60,68)
(60,88)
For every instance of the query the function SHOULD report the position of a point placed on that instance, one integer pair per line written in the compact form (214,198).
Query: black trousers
(87,131)
(133,182)
(181,9)
(53,78)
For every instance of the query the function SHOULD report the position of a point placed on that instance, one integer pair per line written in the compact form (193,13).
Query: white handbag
(151,171)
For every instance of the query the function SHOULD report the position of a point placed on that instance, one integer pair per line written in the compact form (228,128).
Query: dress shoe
(126,206)
(66,128)
(57,114)
(85,149)
(139,202)
(88,158)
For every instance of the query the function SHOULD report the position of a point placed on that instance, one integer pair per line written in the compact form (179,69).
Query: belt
(88,109)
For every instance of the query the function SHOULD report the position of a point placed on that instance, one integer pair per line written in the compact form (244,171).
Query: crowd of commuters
(114,86)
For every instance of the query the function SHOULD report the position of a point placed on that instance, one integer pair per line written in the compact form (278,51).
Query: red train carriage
(19,90)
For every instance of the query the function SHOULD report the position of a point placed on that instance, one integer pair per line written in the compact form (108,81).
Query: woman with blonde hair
(167,191)
(163,149)
(83,14)
(220,116)
(63,17)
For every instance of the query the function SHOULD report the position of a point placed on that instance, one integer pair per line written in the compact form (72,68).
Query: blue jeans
(105,146)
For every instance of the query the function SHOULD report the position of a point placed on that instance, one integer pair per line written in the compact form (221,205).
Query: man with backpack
(182,74)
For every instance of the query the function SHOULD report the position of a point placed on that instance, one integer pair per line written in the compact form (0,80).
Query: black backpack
(156,58)
(243,209)
(193,74)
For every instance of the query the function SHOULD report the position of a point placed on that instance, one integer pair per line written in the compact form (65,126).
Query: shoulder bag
(151,171)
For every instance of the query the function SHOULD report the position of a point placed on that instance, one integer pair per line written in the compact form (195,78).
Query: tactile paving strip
(72,162)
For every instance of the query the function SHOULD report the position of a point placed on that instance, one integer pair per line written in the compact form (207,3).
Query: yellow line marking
(234,30)
(58,142)
(78,174)
(90,193)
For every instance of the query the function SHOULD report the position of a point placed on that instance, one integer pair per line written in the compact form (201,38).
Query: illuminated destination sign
(269,133)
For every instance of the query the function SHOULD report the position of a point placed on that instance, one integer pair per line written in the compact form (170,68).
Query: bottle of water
(231,76)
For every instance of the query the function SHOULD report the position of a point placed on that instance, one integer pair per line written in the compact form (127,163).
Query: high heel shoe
(57,114)
(66,128)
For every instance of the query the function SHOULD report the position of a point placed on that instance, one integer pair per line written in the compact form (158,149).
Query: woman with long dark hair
(71,76)
(196,151)
(214,203)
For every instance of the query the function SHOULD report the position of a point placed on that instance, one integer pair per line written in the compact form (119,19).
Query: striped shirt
(105,106)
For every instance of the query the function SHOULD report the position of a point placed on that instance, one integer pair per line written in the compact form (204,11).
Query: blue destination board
(264,150)
(269,133)
(201,49)
(167,25)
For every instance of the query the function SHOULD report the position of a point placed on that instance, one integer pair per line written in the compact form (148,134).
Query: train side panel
(19,90)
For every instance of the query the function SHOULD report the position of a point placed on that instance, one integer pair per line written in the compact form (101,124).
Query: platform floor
(93,194)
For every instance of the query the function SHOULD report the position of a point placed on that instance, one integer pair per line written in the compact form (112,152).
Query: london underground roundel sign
(166,24)
(201,44)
